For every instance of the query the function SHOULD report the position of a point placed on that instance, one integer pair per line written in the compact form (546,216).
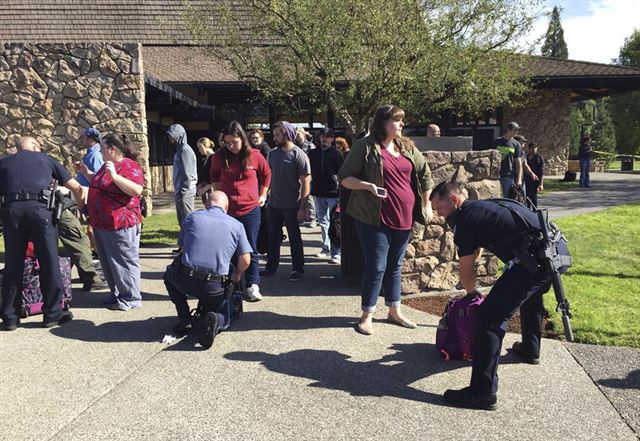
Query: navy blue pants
(277,217)
(251,223)
(515,288)
(24,221)
(180,285)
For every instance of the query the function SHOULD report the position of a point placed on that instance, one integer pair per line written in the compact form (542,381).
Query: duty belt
(201,275)
(41,196)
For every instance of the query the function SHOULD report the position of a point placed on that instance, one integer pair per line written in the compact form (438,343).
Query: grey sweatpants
(118,252)
(185,203)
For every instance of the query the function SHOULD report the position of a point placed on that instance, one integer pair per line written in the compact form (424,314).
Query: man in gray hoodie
(185,171)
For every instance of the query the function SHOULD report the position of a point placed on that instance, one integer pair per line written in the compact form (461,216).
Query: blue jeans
(383,249)
(585,165)
(288,216)
(323,213)
(506,182)
(251,223)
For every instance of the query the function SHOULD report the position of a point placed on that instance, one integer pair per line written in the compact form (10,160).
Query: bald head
(433,131)
(28,143)
(217,199)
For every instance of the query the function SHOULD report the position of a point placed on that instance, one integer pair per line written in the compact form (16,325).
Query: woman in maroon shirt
(391,184)
(244,175)
(114,213)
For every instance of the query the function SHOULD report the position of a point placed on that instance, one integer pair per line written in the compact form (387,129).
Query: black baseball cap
(327,131)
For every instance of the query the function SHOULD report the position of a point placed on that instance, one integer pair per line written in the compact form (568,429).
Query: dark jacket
(325,165)
(365,162)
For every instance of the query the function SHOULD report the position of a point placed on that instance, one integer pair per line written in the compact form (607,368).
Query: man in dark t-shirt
(511,153)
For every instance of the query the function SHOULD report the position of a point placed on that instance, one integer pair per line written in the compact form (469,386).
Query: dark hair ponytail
(121,142)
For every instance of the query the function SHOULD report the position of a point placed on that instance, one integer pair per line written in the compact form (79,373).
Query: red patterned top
(109,207)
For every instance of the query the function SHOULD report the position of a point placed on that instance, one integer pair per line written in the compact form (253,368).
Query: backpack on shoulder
(456,330)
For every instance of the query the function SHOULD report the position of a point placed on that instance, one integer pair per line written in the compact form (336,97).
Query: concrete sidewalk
(291,368)
(607,190)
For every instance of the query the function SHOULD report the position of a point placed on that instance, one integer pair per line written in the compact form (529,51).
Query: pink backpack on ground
(456,330)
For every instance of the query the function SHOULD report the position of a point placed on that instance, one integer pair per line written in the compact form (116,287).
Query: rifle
(552,262)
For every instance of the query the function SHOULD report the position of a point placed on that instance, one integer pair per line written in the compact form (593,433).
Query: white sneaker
(253,293)
(336,260)
(323,255)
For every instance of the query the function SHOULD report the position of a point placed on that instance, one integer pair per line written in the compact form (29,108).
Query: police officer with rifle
(535,252)
(27,205)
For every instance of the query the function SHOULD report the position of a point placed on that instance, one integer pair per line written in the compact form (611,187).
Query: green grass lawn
(616,165)
(160,229)
(603,285)
(551,185)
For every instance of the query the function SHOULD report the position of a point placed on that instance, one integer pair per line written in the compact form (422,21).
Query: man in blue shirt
(209,240)
(92,158)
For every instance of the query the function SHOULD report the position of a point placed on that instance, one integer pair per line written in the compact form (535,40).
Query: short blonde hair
(206,143)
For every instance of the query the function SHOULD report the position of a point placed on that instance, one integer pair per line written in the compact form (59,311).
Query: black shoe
(209,329)
(177,251)
(66,316)
(467,399)
(94,286)
(11,327)
(266,273)
(295,276)
(182,328)
(519,349)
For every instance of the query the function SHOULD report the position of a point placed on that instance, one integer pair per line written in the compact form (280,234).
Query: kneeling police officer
(209,240)
(501,227)
(24,187)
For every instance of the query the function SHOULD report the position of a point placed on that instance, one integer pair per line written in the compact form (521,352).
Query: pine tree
(554,45)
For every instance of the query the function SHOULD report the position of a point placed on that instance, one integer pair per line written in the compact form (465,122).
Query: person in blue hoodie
(185,171)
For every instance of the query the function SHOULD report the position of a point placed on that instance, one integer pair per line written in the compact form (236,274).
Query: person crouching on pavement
(492,225)
(209,240)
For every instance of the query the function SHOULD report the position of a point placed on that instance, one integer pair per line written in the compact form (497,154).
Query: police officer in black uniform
(492,225)
(24,179)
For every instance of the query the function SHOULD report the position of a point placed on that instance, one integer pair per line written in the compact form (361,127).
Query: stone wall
(431,259)
(545,119)
(53,91)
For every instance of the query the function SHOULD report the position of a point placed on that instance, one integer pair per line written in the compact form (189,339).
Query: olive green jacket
(364,162)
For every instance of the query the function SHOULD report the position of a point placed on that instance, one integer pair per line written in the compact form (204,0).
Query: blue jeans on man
(383,249)
(585,166)
(251,223)
(288,216)
(324,206)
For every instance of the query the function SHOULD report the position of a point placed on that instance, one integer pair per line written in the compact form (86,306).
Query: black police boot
(66,316)
(467,399)
(519,349)
(208,329)
(11,327)
(182,328)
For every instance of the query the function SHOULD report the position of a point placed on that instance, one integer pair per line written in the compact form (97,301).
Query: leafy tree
(554,45)
(603,132)
(625,108)
(352,56)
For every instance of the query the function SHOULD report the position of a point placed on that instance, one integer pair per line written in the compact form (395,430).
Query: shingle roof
(542,67)
(85,21)
(184,64)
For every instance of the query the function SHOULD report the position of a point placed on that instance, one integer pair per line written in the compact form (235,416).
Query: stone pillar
(431,262)
(544,119)
(53,91)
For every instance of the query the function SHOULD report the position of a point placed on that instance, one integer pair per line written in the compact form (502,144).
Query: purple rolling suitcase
(31,294)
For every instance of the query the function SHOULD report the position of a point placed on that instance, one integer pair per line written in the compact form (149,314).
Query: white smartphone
(381,192)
